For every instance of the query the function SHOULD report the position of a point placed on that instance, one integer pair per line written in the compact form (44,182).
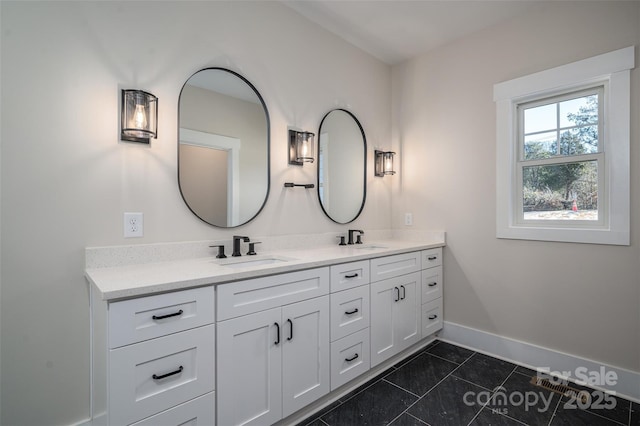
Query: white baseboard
(532,356)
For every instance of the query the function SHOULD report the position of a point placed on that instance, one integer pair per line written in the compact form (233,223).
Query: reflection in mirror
(223,147)
(342,166)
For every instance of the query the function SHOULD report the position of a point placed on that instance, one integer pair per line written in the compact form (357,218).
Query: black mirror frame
(266,113)
(364,177)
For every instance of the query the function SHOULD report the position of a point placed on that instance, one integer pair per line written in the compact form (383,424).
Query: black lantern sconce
(384,163)
(300,147)
(139,116)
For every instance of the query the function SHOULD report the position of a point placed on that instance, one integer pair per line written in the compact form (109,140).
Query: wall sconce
(139,116)
(300,147)
(384,163)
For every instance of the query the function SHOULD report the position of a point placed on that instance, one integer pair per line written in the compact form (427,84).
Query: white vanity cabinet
(272,362)
(153,359)
(255,346)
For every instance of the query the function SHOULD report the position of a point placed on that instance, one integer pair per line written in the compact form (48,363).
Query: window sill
(567,235)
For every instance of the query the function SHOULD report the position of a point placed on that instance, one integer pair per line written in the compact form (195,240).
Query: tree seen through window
(559,176)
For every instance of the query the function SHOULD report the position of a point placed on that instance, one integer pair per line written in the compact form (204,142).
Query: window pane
(540,145)
(561,192)
(580,111)
(540,118)
(581,140)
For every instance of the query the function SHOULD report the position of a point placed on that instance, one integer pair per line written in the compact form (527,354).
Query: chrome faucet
(236,244)
(351,232)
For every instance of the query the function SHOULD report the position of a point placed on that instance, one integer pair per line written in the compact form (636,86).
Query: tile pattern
(448,385)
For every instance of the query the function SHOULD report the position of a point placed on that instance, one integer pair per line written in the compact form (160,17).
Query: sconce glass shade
(300,147)
(139,116)
(384,163)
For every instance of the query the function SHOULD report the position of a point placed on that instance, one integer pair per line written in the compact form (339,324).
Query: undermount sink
(252,262)
(369,247)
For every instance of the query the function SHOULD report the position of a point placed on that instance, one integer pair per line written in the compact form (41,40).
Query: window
(561,159)
(563,152)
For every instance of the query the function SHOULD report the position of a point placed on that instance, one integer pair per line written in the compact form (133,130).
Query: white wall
(579,299)
(66,179)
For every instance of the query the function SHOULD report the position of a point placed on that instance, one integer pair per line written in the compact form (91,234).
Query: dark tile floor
(448,385)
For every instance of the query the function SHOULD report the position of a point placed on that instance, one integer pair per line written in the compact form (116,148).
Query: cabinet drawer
(431,284)
(431,257)
(349,311)
(349,358)
(147,378)
(392,266)
(431,317)
(145,318)
(249,296)
(349,275)
(200,411)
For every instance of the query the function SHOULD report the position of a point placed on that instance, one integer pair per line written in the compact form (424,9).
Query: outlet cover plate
(408,219)
(133,225)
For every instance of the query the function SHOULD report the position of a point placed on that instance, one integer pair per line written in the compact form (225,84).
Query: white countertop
(138,280)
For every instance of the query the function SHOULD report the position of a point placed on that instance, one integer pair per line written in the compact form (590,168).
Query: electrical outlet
(408,219)
(133,225)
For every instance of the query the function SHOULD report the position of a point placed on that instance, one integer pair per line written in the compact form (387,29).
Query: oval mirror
(223,147)
(342,166)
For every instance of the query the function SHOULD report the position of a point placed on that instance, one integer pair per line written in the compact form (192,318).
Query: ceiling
(396,30)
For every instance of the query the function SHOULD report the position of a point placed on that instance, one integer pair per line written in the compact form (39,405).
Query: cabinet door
(349,275)
(383,297)
(144,318)
(199,411)
(157,374)
(431,284)
(249,365)
(406,312)
(305,353)
(350,358)
(249,296)
(395,319)
(349,311)
(387,267)
(431,317)
(432,257)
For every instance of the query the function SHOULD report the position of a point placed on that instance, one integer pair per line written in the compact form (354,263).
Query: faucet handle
(342,243)
(252,248)
(359,239)
(220,254)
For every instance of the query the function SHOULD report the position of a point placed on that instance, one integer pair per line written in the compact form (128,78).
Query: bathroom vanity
(253,340)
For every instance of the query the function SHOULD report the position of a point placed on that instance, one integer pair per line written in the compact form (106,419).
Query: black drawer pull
(351,312)
(164,376)
(175,314)
(352,358)
(290,330)
(351,276)
(433,284)
(397,294)
(432,317)
(277,342)
(404,292)
(432,257)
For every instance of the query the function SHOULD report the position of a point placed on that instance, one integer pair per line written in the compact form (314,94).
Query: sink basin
(249,263)
(369,247)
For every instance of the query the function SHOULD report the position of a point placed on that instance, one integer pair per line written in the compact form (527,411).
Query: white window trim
(614,69)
